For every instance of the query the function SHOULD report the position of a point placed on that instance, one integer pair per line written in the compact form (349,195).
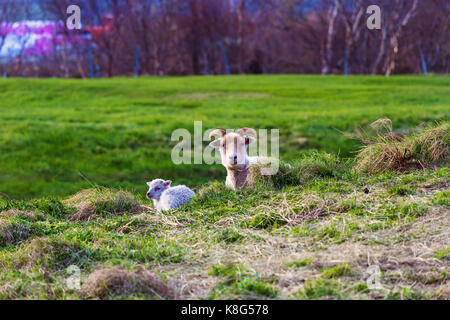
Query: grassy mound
(115,281)
(12,233)
(432,145)
(309,166)
(47,254)
(102,201)
(388,151)
(313,231)
(314,240)
(15,226)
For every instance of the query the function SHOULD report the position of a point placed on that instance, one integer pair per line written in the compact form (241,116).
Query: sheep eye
(156,188)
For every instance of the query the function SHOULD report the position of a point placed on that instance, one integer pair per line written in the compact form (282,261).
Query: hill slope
(321,239)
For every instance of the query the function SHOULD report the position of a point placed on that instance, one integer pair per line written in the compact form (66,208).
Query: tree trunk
(348,49)
(328,54)
(352,30)
(423,61)
(392,57)
(110,65)
(64,58)
(241,35)
(18,65)
(381,51)
(394,39)
(80,65)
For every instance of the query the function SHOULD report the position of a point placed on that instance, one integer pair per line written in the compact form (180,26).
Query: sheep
(166,197)
(233,152)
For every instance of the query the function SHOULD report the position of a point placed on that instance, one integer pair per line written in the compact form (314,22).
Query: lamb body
(165,197)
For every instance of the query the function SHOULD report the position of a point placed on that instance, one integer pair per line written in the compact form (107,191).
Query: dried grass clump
(105,282)
(433,144)
(48,253)
(12,232)
(386,150)
(294,212)
(97,201)
(18,213)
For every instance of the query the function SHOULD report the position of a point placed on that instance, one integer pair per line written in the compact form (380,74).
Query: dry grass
(397,259)
(93,202)
(12,233)
(434,144)
(387,150)
(45,254)
(41,248)
(14,212)
(404,251)
(117,281)
(294,212)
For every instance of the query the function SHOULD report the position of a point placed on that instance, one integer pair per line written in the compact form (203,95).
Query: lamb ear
(249,140)
(167,183)
(149,183)
(215,143)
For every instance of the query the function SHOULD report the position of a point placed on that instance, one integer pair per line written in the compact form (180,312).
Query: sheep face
(157,187)
(233,149)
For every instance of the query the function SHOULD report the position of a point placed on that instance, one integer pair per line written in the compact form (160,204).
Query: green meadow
(75,156)
(60,136)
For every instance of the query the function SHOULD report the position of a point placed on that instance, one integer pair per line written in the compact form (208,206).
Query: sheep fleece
(175,197)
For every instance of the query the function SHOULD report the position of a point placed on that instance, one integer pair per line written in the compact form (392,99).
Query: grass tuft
(12,232)
(232,271)
(102,202)
(433,144)
(387,150)
(340,270)
(300,263)
(229,236)
(443,254)
(49,254)
(321,289)
(109,282)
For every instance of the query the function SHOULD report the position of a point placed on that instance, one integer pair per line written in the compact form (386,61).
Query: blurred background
(194,37)
(98,105)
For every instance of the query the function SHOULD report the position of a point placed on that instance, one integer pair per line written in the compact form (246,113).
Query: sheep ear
(167,183)
(249,140)
(149,183)
(215,143)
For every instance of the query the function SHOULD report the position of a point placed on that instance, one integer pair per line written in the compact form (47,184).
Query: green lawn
(60,136)
(316,230)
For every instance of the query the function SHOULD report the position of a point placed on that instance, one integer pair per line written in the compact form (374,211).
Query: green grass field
(315,232)
(60,136)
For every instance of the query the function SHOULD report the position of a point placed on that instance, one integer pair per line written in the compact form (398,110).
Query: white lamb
(166,197)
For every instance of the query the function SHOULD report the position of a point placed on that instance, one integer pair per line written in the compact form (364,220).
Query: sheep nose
(234,159)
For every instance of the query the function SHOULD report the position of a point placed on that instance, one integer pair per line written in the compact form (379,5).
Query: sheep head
(233,146)
(157,187)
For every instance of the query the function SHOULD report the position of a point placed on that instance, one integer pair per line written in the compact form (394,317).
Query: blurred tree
(351,13)
(396,16)
(179,37)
